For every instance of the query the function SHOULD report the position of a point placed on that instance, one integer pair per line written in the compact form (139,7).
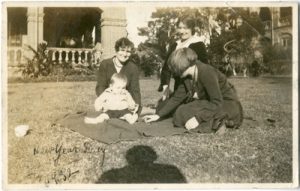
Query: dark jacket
(107,69)
(198,47)
(211,85)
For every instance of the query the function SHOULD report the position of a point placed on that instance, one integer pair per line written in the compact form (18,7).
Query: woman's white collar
(188,42)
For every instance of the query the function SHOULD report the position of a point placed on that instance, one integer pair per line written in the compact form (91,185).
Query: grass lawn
(259,152)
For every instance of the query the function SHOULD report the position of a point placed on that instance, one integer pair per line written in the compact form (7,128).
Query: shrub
(277,60)
(151,58)
(280,67)
(40,64)
(150,65)
(255,68)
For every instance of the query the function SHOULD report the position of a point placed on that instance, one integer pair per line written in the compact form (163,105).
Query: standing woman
(120,63)
(186,29)
(211,102)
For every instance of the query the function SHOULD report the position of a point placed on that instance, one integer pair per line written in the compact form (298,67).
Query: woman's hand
(191,123)
(150,118)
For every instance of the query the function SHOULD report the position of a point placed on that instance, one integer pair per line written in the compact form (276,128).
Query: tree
(150,58)
(161,32)
(239,29)
(164,23)
(232,27)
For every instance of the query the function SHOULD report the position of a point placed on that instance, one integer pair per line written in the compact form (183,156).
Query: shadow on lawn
(142,169)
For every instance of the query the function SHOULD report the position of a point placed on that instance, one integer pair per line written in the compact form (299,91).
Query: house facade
(278,24)
(70,33)
(73,33)
(282,26)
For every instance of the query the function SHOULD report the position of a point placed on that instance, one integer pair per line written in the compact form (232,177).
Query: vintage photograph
(150,95)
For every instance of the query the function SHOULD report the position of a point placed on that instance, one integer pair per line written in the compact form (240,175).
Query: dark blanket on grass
(115,130)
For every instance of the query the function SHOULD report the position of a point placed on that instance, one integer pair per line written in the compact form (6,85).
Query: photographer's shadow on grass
(141,168)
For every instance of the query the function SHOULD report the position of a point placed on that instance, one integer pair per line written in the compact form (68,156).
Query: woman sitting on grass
(120,63)
(209,103)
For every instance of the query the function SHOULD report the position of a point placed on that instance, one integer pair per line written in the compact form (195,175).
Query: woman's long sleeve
(165,75)
(178,97)
(134,85)
(101,79)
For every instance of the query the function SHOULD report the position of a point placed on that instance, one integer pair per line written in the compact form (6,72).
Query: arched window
(286,40)
(16,25)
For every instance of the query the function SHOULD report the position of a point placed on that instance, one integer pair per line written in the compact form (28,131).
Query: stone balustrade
(15,55)
(71,55)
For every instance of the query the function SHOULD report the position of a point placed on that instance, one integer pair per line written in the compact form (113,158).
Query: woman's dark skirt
(230,113)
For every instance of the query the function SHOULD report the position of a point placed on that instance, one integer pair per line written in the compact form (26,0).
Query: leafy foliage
(151,59)
(278,60)
(40,64)
(234,45)
(161,34)
(232,27)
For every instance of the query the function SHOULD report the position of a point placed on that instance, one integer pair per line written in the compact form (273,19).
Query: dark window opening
(16,25)
(285,11)
(72,27)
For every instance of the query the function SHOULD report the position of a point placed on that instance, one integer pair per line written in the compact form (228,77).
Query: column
(40,24)
(275,24)
(113,27)
(35,31)
(32,27)
(31,31)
